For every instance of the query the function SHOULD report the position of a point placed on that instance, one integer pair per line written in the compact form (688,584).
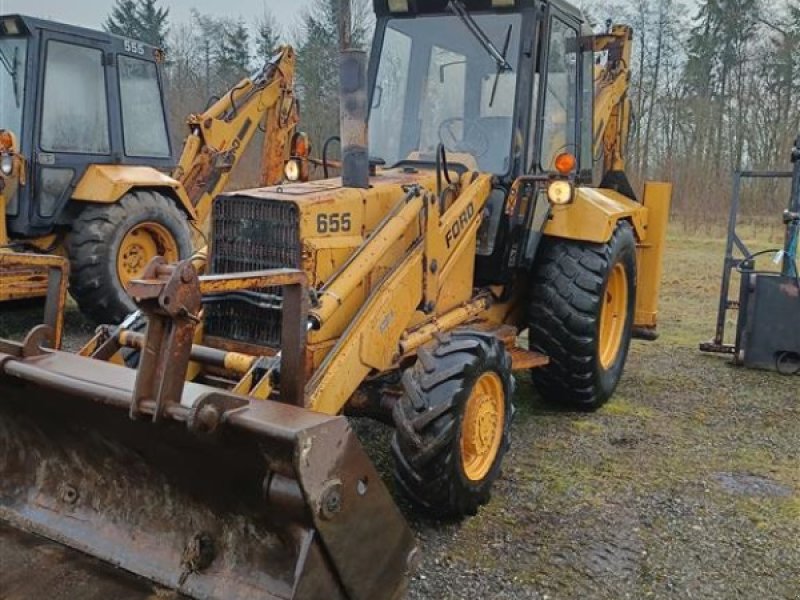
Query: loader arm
(612,106)
(219,136)
(415,283)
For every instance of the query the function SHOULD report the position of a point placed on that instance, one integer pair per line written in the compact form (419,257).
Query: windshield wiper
(11,67)
(458,8)
(499,68)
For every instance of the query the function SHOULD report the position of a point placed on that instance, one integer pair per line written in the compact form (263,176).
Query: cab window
(143,126)
(443,101)
(74,104)
(559,117)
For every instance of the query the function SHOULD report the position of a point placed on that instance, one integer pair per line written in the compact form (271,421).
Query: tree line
(712,90)
(712,84)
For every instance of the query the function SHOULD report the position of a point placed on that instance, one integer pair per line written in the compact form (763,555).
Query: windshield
(436,83)
(13,51)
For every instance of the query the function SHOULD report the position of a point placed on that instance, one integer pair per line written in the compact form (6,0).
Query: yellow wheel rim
(140,244)
(613,316)
(482,426)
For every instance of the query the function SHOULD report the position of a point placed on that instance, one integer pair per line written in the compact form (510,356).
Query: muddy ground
(686,485)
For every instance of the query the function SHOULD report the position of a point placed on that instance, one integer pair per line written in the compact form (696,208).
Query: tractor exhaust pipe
(353,108)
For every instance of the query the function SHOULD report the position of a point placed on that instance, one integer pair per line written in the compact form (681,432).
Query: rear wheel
(581,310)
(452,424)
(110,245)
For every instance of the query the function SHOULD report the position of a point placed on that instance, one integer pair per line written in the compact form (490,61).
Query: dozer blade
(275,502)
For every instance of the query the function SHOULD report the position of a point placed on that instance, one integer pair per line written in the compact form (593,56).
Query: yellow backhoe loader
(210,451)
(84,154)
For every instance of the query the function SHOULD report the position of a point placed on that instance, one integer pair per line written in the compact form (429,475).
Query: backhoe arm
(219,136)
(612,106)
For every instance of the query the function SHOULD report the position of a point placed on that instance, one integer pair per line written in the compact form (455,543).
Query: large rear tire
(111,244)
(581,309)
(452,424)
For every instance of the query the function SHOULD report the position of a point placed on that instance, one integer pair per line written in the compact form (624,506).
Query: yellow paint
(329,390)
(3,229)
(107,184)
(650,253)
(613,316)
(450,243)
(393,273)
(21,283)
(238,362)
(365,260)
(593,216)
(420,335)
(263,389)
(482,426)
(141,244)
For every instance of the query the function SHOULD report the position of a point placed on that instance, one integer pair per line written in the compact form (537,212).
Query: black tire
(566,296)
(429,419)
(94,243)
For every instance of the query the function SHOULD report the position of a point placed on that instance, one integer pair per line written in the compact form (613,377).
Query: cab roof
(414,7)
(16,24)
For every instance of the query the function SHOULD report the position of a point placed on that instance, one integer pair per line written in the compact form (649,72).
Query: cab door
(556,113)
(73,129)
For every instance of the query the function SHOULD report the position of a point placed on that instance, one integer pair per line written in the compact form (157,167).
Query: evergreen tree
(233,60)
(123,19)
(267,36)
(206,38)
(153,22)
(140,20)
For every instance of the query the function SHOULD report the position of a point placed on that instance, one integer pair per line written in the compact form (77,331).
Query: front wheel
(111,244)
(580,314)
(453,422)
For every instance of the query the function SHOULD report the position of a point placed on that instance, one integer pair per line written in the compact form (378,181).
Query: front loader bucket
(276,502)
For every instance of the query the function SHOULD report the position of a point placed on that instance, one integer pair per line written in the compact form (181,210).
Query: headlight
(292,170)
(560,192)
(7,164)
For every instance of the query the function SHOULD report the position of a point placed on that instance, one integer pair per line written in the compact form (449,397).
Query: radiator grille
(251,234)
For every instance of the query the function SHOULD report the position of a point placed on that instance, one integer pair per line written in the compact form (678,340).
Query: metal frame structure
(731,262)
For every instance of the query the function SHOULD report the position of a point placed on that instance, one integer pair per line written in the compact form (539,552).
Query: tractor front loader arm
(219,136)
(372,341)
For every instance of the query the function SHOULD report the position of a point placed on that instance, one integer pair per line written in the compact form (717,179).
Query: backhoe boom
(612,106)
(219,135)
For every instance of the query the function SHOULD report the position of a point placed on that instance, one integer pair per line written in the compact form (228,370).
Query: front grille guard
(251,234)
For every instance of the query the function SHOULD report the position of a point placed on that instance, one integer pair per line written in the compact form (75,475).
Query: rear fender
(106,184)
(593,215)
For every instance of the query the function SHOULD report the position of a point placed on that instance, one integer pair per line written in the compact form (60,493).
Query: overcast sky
(92,13)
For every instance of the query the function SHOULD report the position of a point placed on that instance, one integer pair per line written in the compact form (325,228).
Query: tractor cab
(498,84)
(504,87)
(71,98)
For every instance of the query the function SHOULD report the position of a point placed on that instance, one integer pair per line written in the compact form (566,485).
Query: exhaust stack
(353,108)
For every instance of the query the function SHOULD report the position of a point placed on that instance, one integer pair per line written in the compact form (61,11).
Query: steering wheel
(473,139)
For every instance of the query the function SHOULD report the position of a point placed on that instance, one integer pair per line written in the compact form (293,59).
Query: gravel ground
(685,485)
